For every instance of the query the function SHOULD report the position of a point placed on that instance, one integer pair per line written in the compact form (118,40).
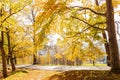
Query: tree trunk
(15,59)
(34,41)
(34,59)
(93,63)
(12,64)
(106,44)
(4,63)
(114,53)
(8,60)
(10,55)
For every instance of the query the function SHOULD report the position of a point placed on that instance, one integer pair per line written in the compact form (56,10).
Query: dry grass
(29,74)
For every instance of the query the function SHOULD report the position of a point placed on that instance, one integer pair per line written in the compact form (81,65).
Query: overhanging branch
(93,26)
(86,8)
(79,33)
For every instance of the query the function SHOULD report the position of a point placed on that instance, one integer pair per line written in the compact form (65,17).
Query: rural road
(63,68)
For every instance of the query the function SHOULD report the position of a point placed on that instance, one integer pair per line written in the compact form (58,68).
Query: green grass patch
(98,64)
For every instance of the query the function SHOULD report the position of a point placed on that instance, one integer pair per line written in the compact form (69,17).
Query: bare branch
(93,26)
(33,12)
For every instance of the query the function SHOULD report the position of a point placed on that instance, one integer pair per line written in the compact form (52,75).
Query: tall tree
(111,33)
(4,65)
(33,13)
(115,64)
(106,44)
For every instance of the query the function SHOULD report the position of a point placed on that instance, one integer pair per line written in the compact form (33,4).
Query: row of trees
(13,42)
(72,55)
(81,27)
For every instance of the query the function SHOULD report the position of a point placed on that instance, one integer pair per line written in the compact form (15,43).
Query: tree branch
(12,14)
(93,26)
(86,8)
(79,33)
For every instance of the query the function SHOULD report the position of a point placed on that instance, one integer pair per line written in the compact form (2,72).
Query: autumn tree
(110,29)
(8,9)
(106,44)
(115,65)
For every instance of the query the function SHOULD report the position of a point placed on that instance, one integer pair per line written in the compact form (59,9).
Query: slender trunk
(15,59)
(106,44)
(114,53)
(12,64)
(8,60)
(4,63)
(34,34)
(34,59)
(34,41)
(10,55)
(93,63)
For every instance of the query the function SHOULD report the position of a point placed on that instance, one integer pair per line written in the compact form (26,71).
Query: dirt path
(64,68)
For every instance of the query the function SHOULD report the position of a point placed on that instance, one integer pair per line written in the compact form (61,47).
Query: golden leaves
(58,56)
(116,3)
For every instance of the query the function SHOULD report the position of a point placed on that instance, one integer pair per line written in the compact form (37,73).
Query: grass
(98,64)
(30,74)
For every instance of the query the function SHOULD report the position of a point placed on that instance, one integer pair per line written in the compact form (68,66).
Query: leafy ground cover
(30,74)
(85,75)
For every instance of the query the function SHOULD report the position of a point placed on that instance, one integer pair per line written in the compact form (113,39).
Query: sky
(53,38)
(117,18)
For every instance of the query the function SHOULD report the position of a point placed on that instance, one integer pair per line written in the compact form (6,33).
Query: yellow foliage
(58,56)
(116,3)
(70,57)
